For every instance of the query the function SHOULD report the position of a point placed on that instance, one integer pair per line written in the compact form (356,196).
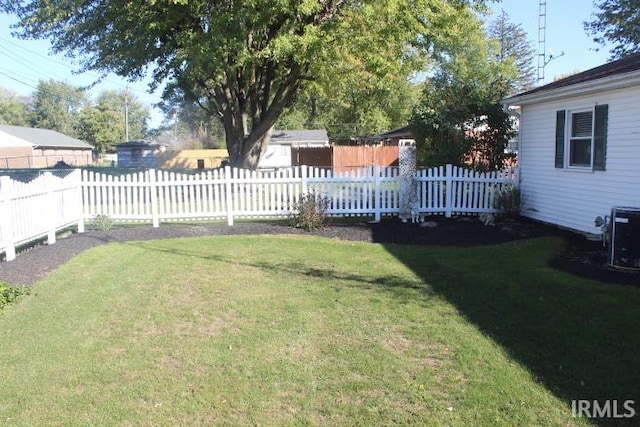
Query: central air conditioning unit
(624,241)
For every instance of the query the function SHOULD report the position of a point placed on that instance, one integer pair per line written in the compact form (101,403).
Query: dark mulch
(581,257)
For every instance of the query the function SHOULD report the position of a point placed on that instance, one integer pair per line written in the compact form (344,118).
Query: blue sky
(564,33)
(24,62)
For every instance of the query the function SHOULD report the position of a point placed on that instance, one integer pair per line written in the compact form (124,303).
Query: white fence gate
(29,211)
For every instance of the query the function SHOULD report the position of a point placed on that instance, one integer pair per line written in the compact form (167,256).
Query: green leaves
(9,294)
(617,23)
(459,119)
(244,62)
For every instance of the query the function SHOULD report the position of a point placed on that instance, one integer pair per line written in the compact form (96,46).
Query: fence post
(228,194)
(377,194)
(448,188)
(80,190)
(51,233)
(7,218)
(153,189)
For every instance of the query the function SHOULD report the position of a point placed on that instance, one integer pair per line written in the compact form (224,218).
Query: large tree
(514,46)
(105,123)
(56,105)
(244,60)
(616,22)
(14,109)
(359,109)
(460,119)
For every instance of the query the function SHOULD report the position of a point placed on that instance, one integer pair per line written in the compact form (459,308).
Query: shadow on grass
(399,287)
(579,338)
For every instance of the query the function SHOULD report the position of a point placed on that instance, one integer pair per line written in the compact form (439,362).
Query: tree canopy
(14,109)
(104,123)
(66,108)
(56,106)
(513,46)
(616,22)
(244,62)
(459,119)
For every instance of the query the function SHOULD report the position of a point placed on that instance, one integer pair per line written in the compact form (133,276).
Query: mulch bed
(582,257)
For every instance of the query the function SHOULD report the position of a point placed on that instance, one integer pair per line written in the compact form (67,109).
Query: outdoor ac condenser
(624,244)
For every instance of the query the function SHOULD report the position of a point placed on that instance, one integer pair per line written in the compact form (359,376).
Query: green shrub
(507,201)
(102,223)
(310,212)
(9,294)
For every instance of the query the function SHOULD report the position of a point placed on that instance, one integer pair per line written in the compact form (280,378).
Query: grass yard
(297,330)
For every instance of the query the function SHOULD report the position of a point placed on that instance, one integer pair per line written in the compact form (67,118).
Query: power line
(17,80)
(19,58)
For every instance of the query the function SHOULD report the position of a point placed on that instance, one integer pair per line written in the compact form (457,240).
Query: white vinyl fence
(49,203)
(38,208)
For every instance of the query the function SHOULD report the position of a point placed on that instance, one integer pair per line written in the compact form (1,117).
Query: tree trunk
(245,151)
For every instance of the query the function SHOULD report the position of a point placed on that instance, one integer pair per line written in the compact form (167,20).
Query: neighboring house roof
(141,143)
(43,138)
(402,132)
(618,74)
(7,140)
(316,136)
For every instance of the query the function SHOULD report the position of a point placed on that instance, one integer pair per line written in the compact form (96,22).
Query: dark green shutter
(600,138)
(560,120)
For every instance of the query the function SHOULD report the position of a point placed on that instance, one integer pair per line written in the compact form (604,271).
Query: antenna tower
(542,27)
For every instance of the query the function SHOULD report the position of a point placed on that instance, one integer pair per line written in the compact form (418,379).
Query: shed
(278,152)
(24,147)
(579,145)
(139,154)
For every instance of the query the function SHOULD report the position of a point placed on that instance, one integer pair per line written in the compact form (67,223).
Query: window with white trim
(580,141)
(581,138)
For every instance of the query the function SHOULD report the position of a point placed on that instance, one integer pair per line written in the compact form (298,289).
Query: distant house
(278,152)
(24,147)
(579,145)
(139,154)
(395,137)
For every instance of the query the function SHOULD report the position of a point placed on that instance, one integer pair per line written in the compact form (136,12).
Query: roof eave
(620,81)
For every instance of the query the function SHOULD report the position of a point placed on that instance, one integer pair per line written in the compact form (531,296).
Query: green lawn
(297,330)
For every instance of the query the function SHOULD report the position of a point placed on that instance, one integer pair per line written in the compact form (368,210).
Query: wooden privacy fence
(341,158)
(49,203)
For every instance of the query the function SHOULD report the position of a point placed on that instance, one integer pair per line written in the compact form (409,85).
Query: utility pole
(175,125)
(126,113)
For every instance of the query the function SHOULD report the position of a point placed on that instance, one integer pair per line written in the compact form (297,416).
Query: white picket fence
(42,207)
(38,208)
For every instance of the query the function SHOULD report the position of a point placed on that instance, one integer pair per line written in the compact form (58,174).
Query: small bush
(8,294)
(507,201)
(102,223)
(310,212)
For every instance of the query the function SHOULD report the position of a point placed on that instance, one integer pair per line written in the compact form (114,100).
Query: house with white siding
(579,145)
(278,152)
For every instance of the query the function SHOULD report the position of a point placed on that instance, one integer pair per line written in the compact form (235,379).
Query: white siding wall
(571,198)
(276,156)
